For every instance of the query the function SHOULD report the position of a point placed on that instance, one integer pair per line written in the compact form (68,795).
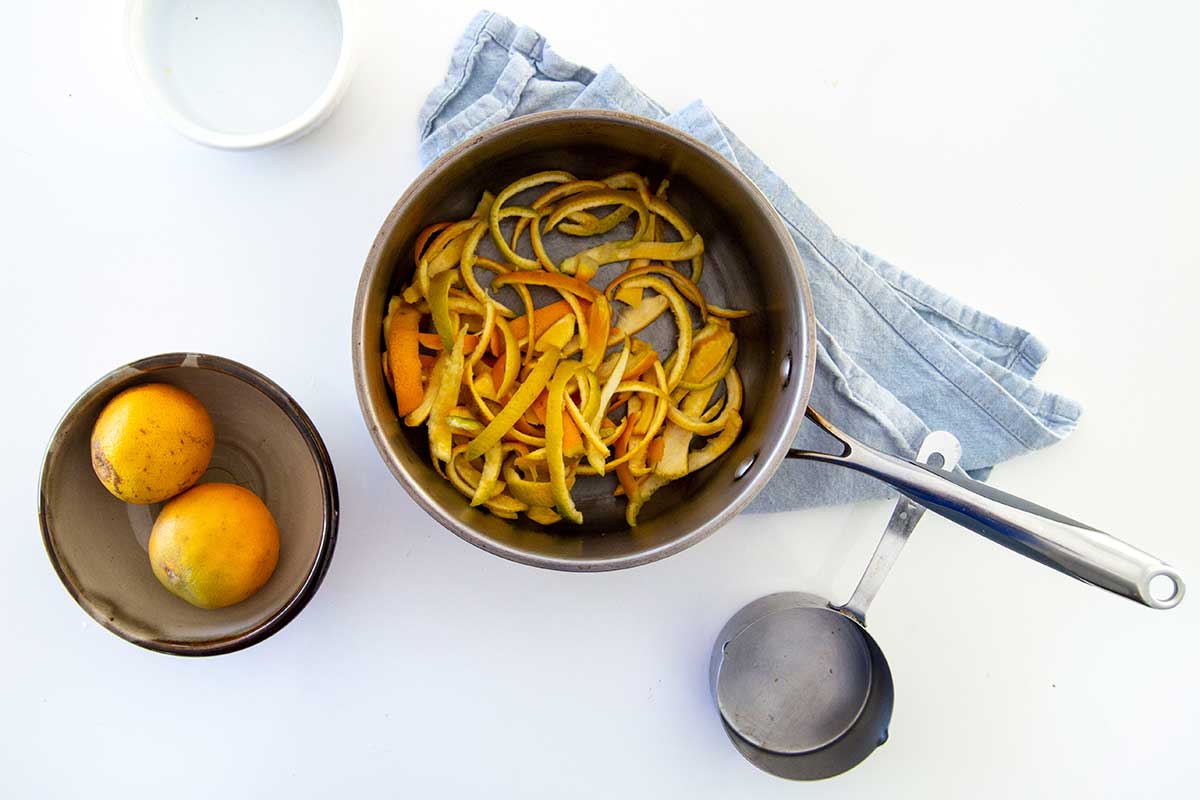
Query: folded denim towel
(896,358)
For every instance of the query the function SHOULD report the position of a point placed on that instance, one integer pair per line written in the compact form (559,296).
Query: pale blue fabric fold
(897,358)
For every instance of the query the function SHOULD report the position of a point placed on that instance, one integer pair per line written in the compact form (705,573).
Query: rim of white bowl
(317,112)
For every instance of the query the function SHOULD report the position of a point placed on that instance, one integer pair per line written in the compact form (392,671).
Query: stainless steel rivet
(744,467)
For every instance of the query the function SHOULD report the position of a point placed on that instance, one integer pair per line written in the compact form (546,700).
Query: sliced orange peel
(522,400)
(403,343)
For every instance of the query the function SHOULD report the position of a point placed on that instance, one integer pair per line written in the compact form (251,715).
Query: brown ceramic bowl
(97,544)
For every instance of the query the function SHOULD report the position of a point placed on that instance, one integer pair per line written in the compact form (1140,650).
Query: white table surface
(1039,162)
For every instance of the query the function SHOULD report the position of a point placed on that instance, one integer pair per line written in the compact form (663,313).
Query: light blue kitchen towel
(896,358)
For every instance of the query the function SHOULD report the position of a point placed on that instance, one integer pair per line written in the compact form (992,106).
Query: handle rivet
(744,467)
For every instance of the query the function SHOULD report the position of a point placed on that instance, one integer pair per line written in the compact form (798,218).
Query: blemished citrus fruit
(214,545)
(151,442)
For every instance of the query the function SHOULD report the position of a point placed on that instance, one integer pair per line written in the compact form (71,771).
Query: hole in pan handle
(1035,532)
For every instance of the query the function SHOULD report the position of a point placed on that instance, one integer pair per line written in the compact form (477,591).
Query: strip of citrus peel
(610,385)
(629,180)
(716,446)
(543,516)
(450,256)
(689,290)
(677,440)
(727,313)
(639,466)
(452,238)
(718,373)
(583,224)
(423,238)
(624,476)
(649,485)
(546,199)
(697,424)
(500,505)
(556,193)
(597,455)
(595,199)
(598,323)
(588,262)
(634,320)
(610,431)
(572,440)
(440,435)
(649,405)
(431,341)
(541,206)
(664,209)
(683,323)
(715,408)
(539,248)
(419,414)
(595,450)
(655,421)
(485,336)
(581,324)
(654,452)
(552,280)
(563,503)
(533,493)
(512,360)
(543,318)
(403,355)
(709,348)
(492,461)
(457,302)
(641,356)
(557,335)
(496,268)
(589,393)
(439,307)
(464,425)
(467,265)
(515,188)
(445,238)
(526,393)
(631,295)
(497,491)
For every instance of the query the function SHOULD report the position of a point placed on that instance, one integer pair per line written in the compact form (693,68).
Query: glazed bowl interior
(241,75)
(98,544)
(750,262)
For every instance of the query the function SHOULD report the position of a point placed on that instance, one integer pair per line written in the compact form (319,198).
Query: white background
(1038,162)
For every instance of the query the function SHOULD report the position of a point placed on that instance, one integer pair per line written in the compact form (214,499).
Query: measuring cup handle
(1057,541)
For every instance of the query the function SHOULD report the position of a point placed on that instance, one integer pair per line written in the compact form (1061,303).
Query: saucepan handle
(1057,541)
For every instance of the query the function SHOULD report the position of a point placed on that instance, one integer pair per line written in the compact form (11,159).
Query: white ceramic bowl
(242,74)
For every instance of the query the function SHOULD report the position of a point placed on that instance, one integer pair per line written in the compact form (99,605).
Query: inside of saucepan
(99,543)
(746,265)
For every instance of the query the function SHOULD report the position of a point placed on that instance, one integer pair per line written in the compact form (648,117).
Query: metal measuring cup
(804,691)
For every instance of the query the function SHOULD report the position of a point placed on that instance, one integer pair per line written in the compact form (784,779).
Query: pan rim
(795,393)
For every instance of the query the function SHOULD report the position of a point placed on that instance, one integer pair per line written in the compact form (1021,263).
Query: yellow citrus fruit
(214,545)
(151,442)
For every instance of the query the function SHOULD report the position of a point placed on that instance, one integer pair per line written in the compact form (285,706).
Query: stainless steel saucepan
(750,262)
